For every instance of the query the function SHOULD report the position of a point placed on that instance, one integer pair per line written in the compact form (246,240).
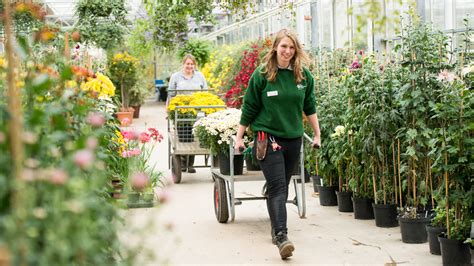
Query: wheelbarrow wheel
(176,168)
(221,208)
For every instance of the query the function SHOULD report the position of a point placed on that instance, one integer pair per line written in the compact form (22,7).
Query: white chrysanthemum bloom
(468,69)
(339,130)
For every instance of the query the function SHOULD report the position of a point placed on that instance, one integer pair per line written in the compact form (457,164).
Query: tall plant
(423,51)
(454,139)
(123,71)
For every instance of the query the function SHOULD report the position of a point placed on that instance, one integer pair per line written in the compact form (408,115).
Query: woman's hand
(239,145)
(316,142)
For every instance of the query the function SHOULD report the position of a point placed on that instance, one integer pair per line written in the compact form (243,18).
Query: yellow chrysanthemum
(101,84)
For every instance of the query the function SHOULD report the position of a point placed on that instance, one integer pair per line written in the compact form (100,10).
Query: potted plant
(454,110)
(123,71)
(436,227)
(143,175)
(423,51)
(360,82)
(216,130)
(339,158)
(330,102)
(138,94)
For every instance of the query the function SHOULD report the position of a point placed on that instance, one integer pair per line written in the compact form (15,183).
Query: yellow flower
(102,85)
(195,99)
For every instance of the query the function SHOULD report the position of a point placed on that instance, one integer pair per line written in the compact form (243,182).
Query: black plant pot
(363,209)
(251,166)
(433,232)
(327,196)
(306,176)
(224,164)
(215,161)
(385,215)
(344,201)
(185,132)
(414,230)
(316,182)
(454,252)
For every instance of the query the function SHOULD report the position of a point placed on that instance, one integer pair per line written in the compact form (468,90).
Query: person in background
(186,81)
(279,92)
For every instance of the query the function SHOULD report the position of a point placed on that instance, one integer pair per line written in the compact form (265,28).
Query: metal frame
(229,180)
(185,148)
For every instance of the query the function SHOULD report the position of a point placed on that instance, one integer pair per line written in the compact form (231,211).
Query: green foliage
(140,39)
(328,70)
(170,20)
(27,17)
(101,22)
(200,49)
(62,195)
(422,51)
(123,72)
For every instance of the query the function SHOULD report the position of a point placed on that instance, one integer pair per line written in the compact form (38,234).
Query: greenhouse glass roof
(62,11)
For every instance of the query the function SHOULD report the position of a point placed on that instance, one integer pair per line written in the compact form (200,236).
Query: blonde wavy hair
(300,57)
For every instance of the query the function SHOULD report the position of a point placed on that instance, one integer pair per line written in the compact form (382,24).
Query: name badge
(272,93)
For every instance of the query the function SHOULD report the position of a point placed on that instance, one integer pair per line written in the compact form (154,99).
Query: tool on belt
(261,145)
(275,145)
(262,142)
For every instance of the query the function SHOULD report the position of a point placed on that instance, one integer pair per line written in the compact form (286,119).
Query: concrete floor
(185,230)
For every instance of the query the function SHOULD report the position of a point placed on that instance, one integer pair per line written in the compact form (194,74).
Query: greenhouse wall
(329,24)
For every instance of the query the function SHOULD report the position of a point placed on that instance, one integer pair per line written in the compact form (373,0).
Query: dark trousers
(190,161)
(278,167)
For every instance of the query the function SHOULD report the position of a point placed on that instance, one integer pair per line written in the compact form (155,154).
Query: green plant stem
(399,177)
(374,184)
(395,186)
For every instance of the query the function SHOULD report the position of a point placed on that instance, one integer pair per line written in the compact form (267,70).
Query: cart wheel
(176,168)
(221,208)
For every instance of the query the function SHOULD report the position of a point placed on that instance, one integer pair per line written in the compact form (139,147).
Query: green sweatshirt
(277,107)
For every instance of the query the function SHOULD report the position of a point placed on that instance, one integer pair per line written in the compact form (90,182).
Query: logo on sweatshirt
(300,86)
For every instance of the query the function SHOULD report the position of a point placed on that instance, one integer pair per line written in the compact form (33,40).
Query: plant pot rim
(414,220)
(381,205)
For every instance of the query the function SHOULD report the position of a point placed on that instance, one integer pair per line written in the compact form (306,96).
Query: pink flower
(139,181)
(129,135)
(155,134)
(83,158)
(96,119)
(355,65)
(59,177)
(445,75)
(125,122)
(91,143)
(135,152)
(144,137)
(163,195)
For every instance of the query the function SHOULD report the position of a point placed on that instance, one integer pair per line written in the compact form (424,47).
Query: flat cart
(225,198)
(181,141)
